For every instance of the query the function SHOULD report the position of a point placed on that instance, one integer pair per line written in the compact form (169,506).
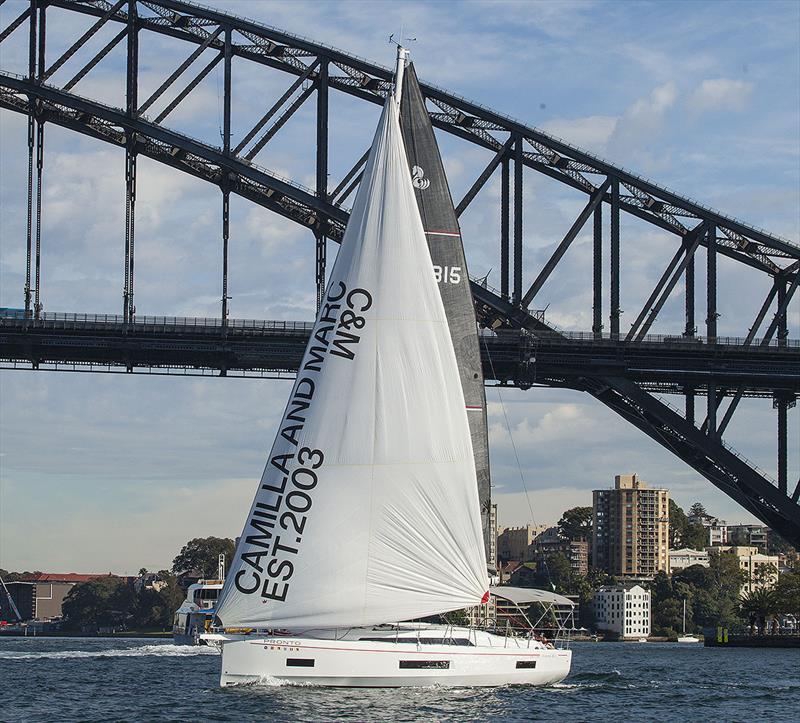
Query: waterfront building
(630,529)
(623,610)
(715,528)
(513,542)
(683,558)
(551,542)
(748,536)
(761,571)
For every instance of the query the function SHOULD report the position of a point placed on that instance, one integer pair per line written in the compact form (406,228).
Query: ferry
(196,614)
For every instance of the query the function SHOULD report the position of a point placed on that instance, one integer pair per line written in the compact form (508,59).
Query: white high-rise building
(623,610)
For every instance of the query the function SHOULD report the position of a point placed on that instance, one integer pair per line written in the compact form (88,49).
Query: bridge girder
(515,146)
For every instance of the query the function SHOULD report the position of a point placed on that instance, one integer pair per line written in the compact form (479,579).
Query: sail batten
(367,511)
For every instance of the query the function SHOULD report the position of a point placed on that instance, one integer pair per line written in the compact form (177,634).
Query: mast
(402,59)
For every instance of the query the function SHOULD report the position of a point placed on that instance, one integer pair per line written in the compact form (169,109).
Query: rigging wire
(516,454)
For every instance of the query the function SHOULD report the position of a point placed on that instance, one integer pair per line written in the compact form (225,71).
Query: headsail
(367,511)
(450,265)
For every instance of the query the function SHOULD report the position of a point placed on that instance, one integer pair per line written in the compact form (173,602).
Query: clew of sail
(367,511)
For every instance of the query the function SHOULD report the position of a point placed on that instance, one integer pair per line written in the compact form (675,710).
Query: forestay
(367,511)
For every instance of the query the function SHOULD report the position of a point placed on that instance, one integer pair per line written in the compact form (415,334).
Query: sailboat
(686,638)
(368,511)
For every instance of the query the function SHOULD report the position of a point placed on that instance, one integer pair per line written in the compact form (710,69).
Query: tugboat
(196,613)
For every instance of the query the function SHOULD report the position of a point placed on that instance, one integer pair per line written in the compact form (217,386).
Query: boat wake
(137,652)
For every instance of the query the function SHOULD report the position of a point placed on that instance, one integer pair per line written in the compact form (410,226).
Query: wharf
(752,641)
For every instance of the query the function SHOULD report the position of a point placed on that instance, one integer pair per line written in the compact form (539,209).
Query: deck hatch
(526,664)
(300,662)
(421,664)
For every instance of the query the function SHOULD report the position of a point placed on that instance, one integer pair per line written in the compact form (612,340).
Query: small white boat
(686,638)
(368,511)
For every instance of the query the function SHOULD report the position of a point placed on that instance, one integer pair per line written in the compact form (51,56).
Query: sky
(102,472)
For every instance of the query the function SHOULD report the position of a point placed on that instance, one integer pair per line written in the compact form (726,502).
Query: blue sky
(112,472)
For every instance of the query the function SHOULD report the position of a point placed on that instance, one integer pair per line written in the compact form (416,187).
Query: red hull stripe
(520,654)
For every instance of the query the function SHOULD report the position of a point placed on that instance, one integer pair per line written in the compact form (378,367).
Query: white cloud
(721,94)
(591,132)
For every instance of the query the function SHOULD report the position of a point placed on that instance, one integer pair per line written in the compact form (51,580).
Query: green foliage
(683,533)
(666,605)
(698,510)
(787,589)
(111,601)
(105,601)
(576,523)
(759,606)
(677,524)
(202,553)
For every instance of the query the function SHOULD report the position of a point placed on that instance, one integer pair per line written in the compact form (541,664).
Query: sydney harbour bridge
(627,369)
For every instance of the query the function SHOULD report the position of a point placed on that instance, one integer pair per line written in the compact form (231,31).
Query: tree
(202,554)
(678,524)
(787,590)
(699,511)
(104,601)
(758,606)
(576,523)
(694,536)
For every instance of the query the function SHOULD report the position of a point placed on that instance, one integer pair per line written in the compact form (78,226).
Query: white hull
(391,660)
(688,639)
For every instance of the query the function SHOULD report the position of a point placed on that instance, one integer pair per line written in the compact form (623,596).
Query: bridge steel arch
(315,70)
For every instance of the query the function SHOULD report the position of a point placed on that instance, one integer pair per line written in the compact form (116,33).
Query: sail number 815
(447,274)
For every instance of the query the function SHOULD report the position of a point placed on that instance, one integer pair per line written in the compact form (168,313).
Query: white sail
(367,511)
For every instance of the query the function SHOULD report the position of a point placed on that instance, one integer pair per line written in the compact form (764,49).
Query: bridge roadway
(516,357)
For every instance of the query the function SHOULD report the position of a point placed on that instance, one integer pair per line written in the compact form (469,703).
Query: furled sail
(450,267)
(367,511)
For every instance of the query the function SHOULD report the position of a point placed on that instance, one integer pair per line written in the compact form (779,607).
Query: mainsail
(450,266)
(367,511)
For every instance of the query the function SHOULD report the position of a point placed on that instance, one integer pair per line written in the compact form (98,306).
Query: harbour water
(74,679)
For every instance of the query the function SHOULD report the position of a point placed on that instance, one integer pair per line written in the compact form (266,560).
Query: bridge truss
(624,369)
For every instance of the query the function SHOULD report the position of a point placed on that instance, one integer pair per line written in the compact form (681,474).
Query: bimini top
(520,595)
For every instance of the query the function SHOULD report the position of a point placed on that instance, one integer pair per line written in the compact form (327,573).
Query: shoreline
(130,634)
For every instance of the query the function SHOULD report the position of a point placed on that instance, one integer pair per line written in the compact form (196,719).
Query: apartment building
(630,535)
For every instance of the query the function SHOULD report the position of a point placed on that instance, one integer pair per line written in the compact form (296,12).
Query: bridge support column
(226,193)
(322,174)
(132,85)
(711,283)
(782,403)
(37,302)
(31,140)
(597,272)
(518,166)
(505,210)
(615,310)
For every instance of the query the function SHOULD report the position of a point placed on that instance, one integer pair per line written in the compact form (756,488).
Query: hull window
(300,662)
(417,664)
(526,664)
